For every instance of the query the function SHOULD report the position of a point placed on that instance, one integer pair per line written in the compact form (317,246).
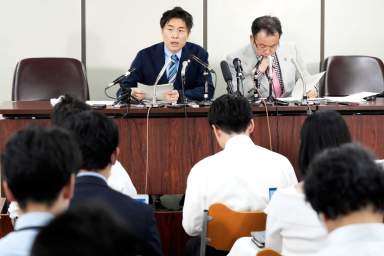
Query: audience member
(87,230)
(345,186)
(241,175)
(38,170)
(98,138)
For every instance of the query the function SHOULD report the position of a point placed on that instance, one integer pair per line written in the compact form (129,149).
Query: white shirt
(19,242)
(120,181)
(293,227)
(238,176)
(357,239)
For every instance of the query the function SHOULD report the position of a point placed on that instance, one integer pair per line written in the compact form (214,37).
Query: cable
(269,127)
(147,153)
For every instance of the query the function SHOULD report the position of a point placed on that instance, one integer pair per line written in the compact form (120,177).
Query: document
(160,90)
(353,98)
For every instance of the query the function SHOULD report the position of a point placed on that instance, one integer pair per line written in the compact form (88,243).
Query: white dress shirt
(293,227)
(239,176)
(356,239)
(19,242)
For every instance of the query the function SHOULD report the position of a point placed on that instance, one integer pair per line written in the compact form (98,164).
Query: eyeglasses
(264,47)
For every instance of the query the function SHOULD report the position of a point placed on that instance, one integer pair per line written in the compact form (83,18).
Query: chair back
(46,78)
(267,252)
(347,75)
(226,226)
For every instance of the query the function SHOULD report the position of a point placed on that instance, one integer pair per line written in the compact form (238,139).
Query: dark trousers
(192,248)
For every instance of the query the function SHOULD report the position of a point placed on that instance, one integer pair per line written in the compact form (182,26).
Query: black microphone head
(237,64)
(226,71)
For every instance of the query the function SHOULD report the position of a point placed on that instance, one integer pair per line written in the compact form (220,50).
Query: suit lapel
(159,60)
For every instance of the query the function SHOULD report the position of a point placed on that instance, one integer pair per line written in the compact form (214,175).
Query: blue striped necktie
(173,69)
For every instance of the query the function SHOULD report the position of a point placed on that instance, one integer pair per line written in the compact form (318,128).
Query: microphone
(118,80)
(202,63)
(161,73)
(237,65)
(304,99)
(270,60)
(184,67)
(227,76)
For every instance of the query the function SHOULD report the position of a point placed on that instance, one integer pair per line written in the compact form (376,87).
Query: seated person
(346,188)
(176,25)
(299,232)
(90,229)
(241,175)
(119,178)
(38,170)
(98,138)
(265,42)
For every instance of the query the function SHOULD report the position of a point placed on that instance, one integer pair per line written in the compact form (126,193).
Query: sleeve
(289,173)
(152,237)
(198,84)
(193,205)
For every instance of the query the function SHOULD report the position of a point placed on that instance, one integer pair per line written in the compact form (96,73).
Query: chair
(267,252)
(346,75)
(45,78)
(223,226)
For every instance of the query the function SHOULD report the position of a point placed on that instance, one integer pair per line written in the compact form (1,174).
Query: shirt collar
(238,141)
(33,219)
(91,173)
(168,53)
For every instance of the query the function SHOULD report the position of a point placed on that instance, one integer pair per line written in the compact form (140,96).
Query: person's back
(241,175)
(345,187)
(98,138)
(38,167)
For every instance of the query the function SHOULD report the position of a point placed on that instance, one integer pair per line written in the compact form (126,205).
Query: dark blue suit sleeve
(135,76)
(152,237)
(197,83)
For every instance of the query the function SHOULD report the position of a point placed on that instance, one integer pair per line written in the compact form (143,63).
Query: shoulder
(151,49)
(243,51)
(287,48)
(205,166)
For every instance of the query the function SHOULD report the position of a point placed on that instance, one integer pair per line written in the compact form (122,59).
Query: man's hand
(137,93)
(264,65)
(312,93)
(171,96)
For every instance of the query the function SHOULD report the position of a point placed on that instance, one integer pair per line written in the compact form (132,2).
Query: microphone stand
(255,97)
(206,101)
(184,100)
(239,80)
(270,98)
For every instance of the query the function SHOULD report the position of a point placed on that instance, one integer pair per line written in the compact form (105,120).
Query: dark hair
(230,113)
(66,107)
(179,13)
(269,24)
(89,229)
(97,135)
(343,180)
(321,130)
(38,162)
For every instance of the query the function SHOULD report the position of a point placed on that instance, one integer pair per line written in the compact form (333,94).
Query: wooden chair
(223,226)
(268,252)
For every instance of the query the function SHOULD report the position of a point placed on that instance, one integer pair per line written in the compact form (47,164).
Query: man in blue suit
(176,25)
(98,139)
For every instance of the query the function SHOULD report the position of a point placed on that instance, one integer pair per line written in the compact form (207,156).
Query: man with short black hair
(241,175)
(89,229)
(265,46)
(176,25)
(98,138)
(345,186)
(38,168)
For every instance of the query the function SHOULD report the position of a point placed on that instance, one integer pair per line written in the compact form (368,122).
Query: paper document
(356,97)
(98,102)
(310,82)
(160,90)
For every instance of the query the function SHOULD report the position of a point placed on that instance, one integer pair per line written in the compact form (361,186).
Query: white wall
(36,28)
(229,28)
(118,29)
(354,27)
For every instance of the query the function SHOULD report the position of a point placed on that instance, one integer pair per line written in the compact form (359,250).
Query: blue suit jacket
(138,216)
(149,62)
